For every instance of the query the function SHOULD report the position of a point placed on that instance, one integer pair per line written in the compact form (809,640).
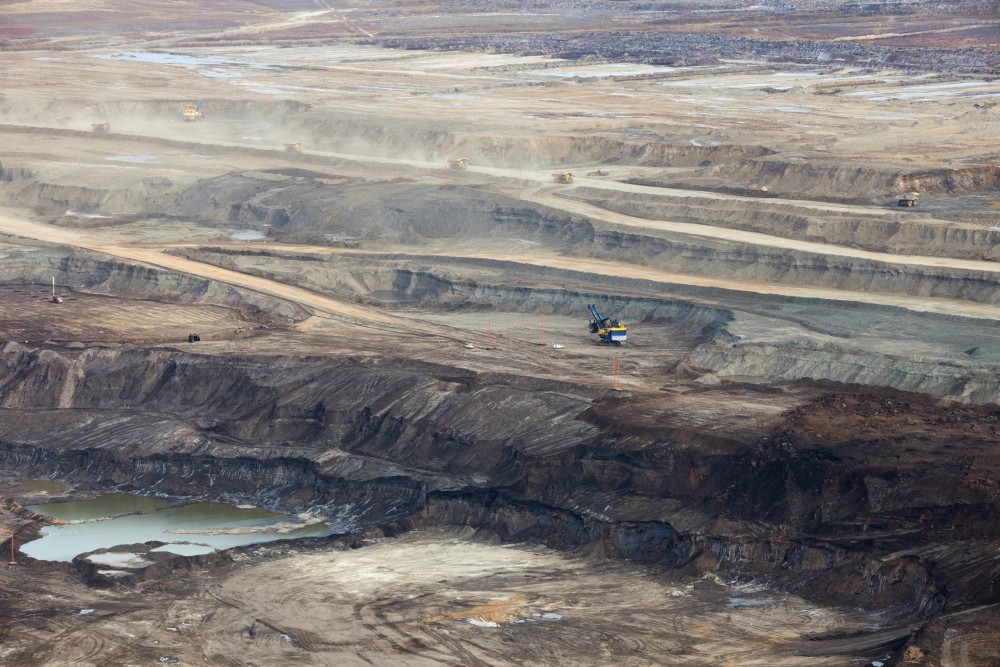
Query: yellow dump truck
(192,113)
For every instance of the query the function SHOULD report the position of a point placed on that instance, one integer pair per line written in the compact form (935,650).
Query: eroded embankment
(908,234)
(450,285)
(98,274)
(858,497)
(957,379)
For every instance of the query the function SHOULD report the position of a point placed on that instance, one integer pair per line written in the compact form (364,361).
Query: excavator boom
(610,331)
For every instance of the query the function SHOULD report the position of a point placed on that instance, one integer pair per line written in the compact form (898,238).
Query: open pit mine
(510,333)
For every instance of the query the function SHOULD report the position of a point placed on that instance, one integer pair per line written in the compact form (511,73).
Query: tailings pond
(187,529)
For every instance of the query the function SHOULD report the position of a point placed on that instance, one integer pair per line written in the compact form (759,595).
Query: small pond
(201,527)
(247,235)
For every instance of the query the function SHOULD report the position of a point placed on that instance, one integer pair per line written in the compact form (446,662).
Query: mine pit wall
(419,212)
(408,442)
(97,274)
(828,574)
(679,253)
(823,573)
(809,179)
(909,235)
(112,277)
(761,264)
(343,275)
(802,359)
(704,343)
(281,485)
(313,209)
(700,329)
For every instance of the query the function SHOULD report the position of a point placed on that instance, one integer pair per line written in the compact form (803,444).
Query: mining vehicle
(103,128)
(194,338)
(460,163)
(563,177)
(293,148)
(908,199)
(193,112)
(597,172)
(608,330)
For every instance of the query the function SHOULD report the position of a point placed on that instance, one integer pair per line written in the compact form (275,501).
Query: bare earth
(797,465)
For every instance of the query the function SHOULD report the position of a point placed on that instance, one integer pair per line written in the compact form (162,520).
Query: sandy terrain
(792,461)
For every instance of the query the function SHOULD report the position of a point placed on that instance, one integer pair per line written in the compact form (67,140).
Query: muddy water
(114,519)
(390,296)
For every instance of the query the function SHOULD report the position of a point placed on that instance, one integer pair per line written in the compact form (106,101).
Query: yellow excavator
(460,163)
(102,128)
(563,177)
(608,330)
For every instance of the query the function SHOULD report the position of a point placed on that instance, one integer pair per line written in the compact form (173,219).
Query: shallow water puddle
(247,235)
(196,528)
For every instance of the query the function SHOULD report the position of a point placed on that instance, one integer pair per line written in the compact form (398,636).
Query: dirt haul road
(43,232)
(90,241)
(585,265)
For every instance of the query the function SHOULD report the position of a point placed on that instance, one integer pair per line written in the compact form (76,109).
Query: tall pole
(12,548)
(543,327)
(489,334)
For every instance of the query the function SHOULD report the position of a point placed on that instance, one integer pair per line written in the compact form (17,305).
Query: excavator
(608,330)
